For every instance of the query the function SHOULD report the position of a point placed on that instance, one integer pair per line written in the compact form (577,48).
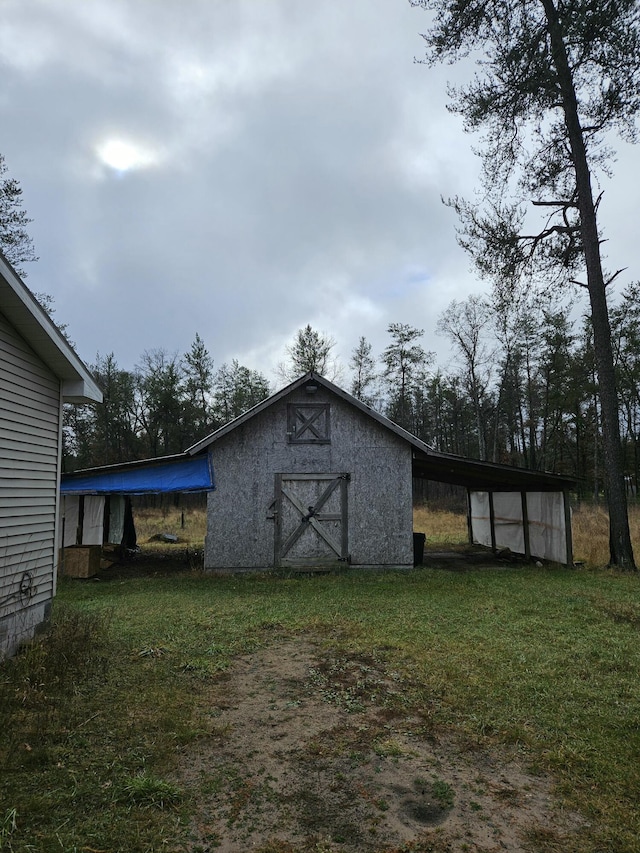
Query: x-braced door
(311,519)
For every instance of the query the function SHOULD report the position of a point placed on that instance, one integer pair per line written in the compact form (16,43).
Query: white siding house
(38,372)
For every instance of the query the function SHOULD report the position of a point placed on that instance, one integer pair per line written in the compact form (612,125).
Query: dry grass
(591,534)
(189,525)
(590,525)
(442,527)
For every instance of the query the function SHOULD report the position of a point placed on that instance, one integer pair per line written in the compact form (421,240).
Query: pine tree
(310,351)
(15,243)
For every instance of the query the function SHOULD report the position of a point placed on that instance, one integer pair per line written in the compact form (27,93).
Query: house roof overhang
(32,322)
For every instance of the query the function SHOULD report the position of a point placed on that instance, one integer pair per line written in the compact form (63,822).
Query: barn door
(311,519)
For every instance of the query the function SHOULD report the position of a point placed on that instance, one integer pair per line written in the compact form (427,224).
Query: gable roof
(32,322)
(428,463)
(303,381)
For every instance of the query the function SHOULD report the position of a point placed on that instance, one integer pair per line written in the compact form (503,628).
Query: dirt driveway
(312,751)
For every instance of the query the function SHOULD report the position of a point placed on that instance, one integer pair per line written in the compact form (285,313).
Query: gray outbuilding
(39,371)
(313,477)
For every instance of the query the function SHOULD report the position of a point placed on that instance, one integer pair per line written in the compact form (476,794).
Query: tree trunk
(477,408)
(596,443)
(621,551)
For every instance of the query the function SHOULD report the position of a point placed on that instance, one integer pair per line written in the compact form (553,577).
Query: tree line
(520,388)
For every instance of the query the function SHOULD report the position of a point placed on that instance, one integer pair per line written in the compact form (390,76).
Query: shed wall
(240,533)
(30,407)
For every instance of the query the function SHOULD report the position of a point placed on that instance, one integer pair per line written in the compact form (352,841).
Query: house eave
(32,322)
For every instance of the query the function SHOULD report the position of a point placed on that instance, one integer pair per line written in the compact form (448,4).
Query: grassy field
(92,722)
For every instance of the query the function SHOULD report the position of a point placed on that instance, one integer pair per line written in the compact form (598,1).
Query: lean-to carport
(96,501)
(528,512)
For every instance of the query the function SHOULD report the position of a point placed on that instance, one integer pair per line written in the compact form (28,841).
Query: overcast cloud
(241,168)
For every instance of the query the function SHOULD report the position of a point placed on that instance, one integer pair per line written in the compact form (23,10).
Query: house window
(308,423)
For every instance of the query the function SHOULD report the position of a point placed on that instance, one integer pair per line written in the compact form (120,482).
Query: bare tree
(463,323)
(160,391)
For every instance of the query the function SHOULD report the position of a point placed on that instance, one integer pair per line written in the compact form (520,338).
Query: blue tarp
(191,474)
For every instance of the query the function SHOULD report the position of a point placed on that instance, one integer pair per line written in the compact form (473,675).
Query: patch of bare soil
(313,752)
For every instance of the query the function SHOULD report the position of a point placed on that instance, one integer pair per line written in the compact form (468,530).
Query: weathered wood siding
(240,531)
(30,406)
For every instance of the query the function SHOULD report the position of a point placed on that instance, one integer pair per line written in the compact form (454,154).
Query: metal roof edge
(119,466)
(499,470)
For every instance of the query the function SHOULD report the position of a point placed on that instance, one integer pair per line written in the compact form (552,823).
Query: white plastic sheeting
(93,519)
(547,528)
(116,519)
(92,522)
(546,525)
(70,512)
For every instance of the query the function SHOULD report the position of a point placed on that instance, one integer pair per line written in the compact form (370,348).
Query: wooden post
(525,525)
(492,522)
(344,522)
(567,525)
(469,521)
(80,526)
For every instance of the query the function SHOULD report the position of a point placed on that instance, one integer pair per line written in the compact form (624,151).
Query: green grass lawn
(91,722)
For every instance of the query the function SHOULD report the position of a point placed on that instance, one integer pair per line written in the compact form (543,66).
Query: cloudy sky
(240,168)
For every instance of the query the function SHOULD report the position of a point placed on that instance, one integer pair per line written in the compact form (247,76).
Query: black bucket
(418,548)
